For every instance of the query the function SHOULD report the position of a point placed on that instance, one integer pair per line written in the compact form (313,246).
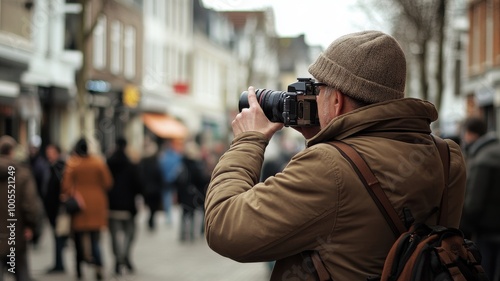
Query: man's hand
(254,119)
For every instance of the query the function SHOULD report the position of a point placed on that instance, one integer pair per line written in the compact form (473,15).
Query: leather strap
(375,190)
(372,186)
(444,153)
(323,274)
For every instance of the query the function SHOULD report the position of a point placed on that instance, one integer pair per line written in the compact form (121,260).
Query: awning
(165,126)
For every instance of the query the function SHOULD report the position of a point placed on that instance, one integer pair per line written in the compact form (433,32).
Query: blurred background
(150,70)
(126,67)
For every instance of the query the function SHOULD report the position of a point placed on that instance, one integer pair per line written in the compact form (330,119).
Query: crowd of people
(107,192)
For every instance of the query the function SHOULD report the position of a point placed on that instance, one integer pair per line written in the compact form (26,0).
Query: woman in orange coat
(88,177)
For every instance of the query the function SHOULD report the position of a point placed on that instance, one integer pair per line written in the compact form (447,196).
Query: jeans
(121,247)
(187,224)
(82,246)
(167,195)
(59,244)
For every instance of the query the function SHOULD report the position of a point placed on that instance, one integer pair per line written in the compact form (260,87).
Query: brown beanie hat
(369,66)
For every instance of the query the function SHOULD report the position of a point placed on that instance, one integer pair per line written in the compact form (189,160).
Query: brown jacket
(19,197)
(89,176)
(319,203)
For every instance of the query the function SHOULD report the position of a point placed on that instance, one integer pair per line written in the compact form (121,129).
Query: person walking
(40,168)
(88,177)
(127,186)
(52,204)
(20,211)
(191,184)
(319,203)
(481,208)
(152,179)
(170,165)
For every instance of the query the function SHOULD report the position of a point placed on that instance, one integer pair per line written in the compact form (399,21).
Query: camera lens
(270,101)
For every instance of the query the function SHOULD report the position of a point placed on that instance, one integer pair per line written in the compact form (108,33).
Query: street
(157,255)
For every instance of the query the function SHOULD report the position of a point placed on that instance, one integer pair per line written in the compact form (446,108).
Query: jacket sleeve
(456,185)
(250,221)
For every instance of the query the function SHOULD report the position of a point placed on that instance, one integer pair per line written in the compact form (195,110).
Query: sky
(322,21)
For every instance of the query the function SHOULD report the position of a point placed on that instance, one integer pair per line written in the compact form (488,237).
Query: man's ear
(338,103)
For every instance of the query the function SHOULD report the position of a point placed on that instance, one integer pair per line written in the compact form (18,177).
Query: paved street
(157,256)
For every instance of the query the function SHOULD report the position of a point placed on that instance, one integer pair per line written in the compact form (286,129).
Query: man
(481,207)
(152,180)
(170,165)
(122,205)
(52,204)
(318,202)
(20,211)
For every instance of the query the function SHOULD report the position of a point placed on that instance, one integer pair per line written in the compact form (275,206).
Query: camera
(295,108)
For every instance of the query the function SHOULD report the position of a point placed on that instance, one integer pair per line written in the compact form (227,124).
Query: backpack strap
(379,197)
(372,186)
(444,153)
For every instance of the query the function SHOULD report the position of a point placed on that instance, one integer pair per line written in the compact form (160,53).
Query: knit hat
(369,66)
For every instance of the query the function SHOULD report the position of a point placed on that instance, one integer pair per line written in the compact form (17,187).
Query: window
(116,48)
(129,52)
(99,43)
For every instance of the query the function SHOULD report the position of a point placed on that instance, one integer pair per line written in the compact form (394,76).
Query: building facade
(482,88)
(19,106)
(114,56)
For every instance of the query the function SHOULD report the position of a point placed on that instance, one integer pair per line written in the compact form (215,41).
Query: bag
(423,252)
(74,204)
(63,224)
(433,253)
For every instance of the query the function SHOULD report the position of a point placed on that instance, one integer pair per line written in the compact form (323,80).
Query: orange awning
(165,126)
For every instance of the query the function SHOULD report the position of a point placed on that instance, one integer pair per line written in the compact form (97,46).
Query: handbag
(74,204)
(63,224)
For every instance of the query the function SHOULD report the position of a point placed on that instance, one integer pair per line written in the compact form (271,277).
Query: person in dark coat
(152,180)
(481,208)
(19,212)
(191,184)
(122,204)
(52,203)
(40,168)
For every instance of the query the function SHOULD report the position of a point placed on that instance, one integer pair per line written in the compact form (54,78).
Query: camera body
(296,107)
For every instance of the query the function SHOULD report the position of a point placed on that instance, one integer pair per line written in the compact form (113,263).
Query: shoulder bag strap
(444,153)
(372,186)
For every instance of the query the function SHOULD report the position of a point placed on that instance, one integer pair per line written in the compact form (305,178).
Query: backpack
(422,252)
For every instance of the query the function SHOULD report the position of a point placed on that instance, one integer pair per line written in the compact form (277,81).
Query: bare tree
(417,24)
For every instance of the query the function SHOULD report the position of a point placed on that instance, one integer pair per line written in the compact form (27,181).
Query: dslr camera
(294,108)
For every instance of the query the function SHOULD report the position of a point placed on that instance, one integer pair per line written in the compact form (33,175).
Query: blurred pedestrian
(122,205)
(89,177)
(152,180)
(481,208)
(40,169)
(19,211)
(52,203)
(170,164)
(191,184)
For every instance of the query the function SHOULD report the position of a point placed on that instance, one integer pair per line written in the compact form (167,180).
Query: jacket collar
(401,115)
